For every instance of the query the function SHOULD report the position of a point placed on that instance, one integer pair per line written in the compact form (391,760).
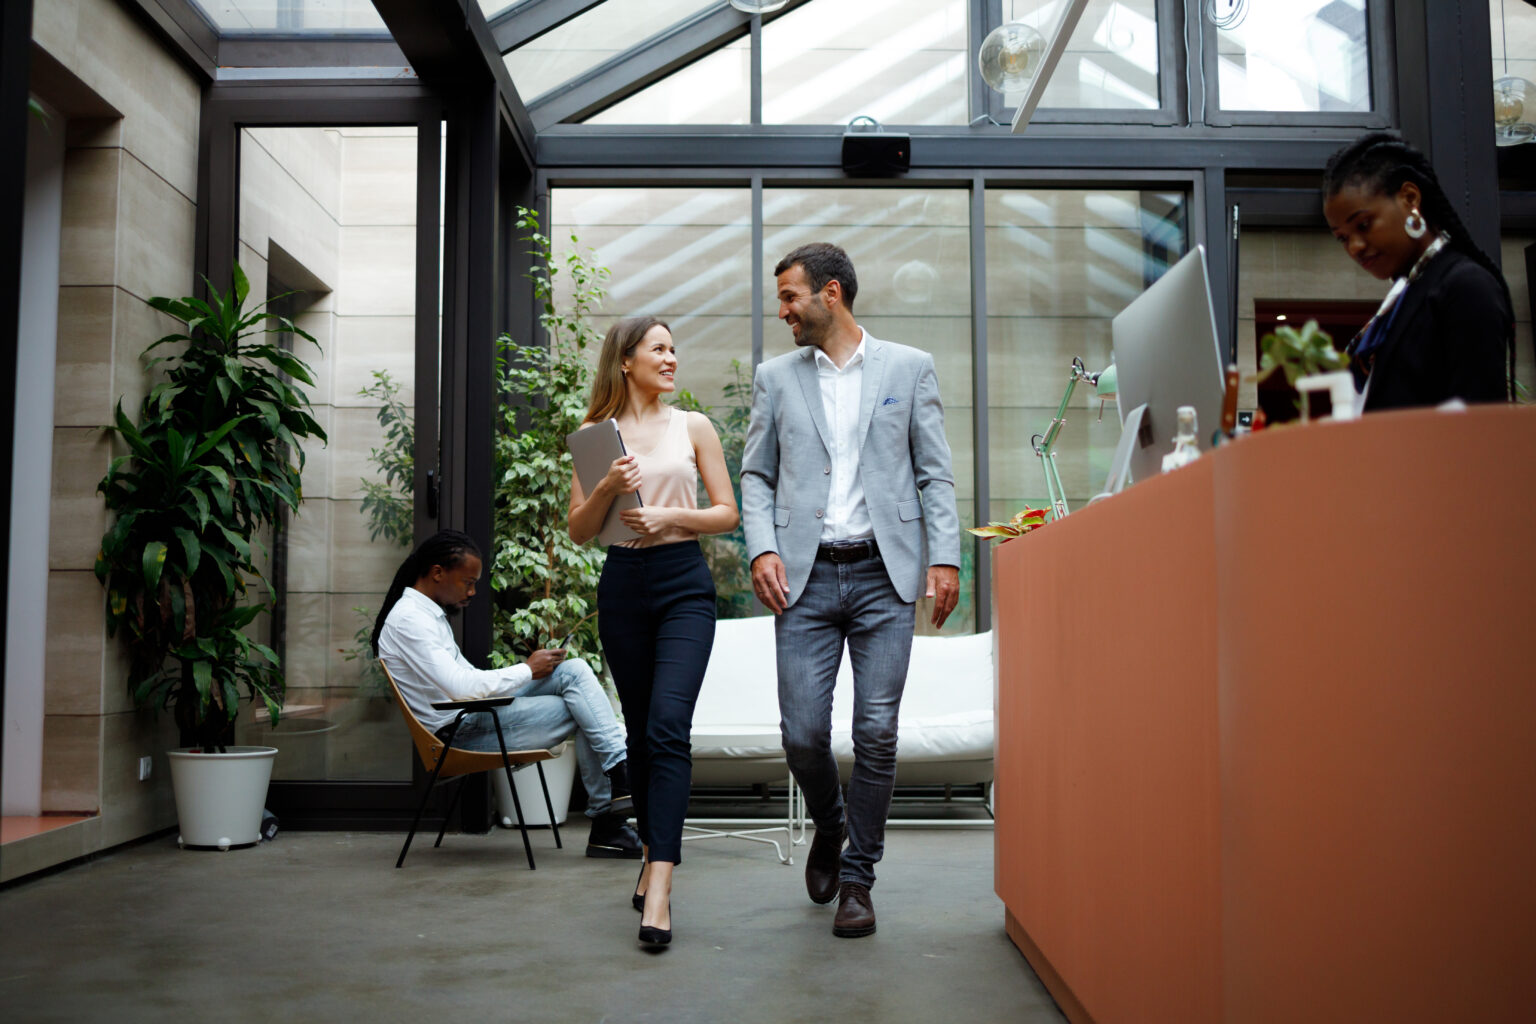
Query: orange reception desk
(1266,732)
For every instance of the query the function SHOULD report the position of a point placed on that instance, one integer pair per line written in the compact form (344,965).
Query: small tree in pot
(208,467)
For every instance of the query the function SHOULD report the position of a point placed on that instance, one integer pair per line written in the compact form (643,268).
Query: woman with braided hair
(1446,328)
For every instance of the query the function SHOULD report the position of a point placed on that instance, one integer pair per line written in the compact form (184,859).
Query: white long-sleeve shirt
(418,646)
(847,514)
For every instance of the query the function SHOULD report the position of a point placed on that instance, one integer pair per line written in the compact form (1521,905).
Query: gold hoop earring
(1415,225)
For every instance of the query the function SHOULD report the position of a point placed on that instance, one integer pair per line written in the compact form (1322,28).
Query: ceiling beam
(449,45)
(1130,147)
(533,18)
(309,51)
(643,64)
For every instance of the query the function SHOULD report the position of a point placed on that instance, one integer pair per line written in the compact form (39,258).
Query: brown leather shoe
(822,865)
(855,912)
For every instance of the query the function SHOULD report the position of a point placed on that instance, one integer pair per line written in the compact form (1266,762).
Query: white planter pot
(219,797)
(559,773)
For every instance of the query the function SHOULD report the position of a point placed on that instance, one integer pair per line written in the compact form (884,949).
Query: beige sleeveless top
(669,478)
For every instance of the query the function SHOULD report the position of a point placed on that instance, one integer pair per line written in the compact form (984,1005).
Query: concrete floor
(319,926)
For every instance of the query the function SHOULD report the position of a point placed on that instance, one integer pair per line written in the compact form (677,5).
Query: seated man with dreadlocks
(555,697)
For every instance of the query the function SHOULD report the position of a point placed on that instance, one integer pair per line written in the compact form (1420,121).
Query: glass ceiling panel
(328,17)
(902,62)
(1110,61)
(716,89)
(584,42)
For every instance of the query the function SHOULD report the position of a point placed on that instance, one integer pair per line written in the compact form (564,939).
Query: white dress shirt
(847,515)
(423,657)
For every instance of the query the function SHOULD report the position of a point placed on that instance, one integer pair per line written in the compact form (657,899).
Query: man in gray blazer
(845,481)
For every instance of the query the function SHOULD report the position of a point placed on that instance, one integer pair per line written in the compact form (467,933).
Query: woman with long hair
(656,599)
(1446,328)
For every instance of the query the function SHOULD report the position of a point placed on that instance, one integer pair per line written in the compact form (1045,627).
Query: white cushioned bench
(945,729)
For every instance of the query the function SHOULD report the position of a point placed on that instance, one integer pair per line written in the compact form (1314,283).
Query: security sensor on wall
(1015,56)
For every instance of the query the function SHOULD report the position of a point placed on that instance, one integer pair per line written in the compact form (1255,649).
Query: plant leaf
(153,562)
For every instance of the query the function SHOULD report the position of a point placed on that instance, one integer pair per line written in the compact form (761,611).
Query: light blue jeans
(853,602)
(568,701)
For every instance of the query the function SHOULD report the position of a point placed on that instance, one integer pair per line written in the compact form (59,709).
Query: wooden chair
(445,760)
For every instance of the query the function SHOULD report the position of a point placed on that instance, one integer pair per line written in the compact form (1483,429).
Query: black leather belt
(848,551)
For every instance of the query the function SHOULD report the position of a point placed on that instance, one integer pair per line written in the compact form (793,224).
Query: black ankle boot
(614,837)
(623,798)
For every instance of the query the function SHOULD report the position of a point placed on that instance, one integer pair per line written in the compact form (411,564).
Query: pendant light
(1513,99)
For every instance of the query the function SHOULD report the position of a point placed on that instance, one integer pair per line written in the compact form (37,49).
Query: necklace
(1362,346)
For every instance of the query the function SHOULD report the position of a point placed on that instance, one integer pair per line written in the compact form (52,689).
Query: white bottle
(1186,442)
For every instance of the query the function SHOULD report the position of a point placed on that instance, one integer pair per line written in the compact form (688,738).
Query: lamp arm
(1044,444)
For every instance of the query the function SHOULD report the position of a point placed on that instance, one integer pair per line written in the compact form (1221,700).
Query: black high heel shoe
(638,898)
(657,936)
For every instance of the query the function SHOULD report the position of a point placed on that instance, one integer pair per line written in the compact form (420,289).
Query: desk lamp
(1104,385)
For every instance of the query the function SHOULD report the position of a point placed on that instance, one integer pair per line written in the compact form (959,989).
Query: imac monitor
(1167,355)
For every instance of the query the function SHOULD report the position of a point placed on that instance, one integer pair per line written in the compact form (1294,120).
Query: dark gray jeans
(852,602)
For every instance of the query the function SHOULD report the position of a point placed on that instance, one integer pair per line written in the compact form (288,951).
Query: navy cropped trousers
(656,618)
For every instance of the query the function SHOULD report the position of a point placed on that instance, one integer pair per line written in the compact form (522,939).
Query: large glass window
(1060,264)
(1110,61)
(1304,55)
(898,61)
(328,230)
(911,250)
(684,255)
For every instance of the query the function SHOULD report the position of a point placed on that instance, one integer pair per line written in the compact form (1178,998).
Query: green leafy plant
(208,468)
(1296,354)
(387,502)
(727,553)
(544,585)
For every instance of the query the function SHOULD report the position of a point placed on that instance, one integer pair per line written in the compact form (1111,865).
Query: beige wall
(127,234)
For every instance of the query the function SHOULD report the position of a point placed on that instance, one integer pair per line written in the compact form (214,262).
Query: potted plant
(208,468)
(1287,355)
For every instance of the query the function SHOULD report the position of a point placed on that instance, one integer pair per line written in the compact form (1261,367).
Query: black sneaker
(615,838)
(623,801)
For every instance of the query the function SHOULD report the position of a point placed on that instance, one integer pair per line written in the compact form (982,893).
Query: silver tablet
(593,449)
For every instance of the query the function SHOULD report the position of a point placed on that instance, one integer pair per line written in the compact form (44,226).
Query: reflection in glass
(1307,55)
(902,62)
(339,17)
(1110,61)
(1060,264)
(684,255)
(589,39)
(911,251)
(328,215)
(715,89)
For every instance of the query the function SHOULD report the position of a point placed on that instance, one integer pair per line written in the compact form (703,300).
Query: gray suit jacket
(904,465)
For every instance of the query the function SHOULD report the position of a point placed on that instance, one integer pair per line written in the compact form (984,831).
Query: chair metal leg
(448,815)
(554,826)
(517,805)
(430,783)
